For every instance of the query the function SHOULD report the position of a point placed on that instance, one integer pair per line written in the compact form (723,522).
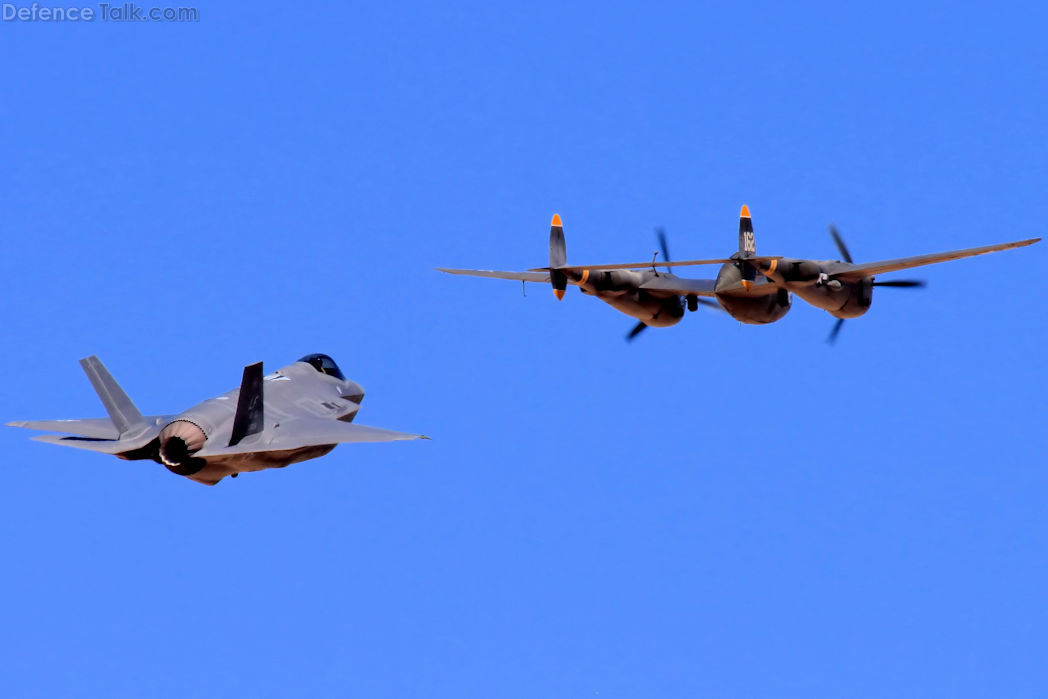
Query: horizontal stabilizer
(495,274)
(681,286)
(90,428)
(104,446)
(748,289)
(650,264)
(93,427)
(307,432)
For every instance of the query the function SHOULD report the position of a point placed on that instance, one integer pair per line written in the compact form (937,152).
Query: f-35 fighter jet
(296,413)
(751,288)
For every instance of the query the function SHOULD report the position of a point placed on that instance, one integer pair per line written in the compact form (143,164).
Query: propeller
(904,283)
(836,330)
(846,257)
(841,247)
(661,233)
(637,330)
(693,301)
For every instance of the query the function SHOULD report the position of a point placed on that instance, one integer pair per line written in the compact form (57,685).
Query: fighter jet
(297,413)
(752,289)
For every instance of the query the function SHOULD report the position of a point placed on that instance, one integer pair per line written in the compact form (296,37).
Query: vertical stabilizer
(558,257)
(747,246)
(122,411)
(249,419)
(747,241)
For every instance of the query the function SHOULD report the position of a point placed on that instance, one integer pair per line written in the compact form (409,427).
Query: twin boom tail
(558,257)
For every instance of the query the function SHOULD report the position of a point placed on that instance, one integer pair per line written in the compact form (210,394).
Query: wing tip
(555,221)
(744,212)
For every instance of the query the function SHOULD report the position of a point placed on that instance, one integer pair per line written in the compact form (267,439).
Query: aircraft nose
(353,391)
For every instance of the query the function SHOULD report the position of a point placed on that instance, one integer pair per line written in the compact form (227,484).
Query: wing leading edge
(538,277)
(307,432)
(870,269)
(92,427)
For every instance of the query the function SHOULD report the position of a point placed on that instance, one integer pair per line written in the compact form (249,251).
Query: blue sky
(713,510)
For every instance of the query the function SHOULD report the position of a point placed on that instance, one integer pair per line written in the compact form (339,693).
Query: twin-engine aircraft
(296,413)
(751,288)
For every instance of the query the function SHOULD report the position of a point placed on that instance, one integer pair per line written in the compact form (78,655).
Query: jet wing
(870,269)
(93,427)
(678,285)
(100,444)
(494,274)
(103,446)
(306,432)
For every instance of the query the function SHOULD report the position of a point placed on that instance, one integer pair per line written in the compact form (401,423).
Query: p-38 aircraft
(752,289)
(299,412)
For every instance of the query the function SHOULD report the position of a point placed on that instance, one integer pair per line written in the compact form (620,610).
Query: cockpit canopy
(324,364)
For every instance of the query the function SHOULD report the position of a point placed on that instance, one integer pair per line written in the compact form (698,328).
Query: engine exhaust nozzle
(179,441)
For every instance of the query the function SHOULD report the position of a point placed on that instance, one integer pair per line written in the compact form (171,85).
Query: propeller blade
(904,283)
(845,255)
(661,233)
(637,330)
(836,330)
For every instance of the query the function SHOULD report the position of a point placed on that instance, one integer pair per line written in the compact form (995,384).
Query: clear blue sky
(714,510)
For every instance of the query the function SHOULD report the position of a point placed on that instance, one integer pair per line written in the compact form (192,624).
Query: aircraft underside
(218,467)
(654,311)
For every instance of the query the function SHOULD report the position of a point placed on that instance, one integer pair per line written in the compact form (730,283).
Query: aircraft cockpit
(324,364)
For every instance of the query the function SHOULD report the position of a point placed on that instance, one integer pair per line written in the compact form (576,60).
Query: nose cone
(559,293)
(352,391)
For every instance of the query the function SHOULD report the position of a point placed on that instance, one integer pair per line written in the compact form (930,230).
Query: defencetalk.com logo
(103,11)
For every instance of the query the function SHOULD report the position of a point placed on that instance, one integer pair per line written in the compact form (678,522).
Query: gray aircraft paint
(296,413)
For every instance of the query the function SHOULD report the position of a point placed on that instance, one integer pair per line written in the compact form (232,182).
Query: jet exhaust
(178,442)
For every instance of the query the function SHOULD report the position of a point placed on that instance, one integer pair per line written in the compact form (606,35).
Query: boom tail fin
(558,257)
(125,416)
(747,245)
(747,241)
(249,416)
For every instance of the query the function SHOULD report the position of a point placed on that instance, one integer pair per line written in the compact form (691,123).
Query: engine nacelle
(858,297)
(179,440)
(187,434)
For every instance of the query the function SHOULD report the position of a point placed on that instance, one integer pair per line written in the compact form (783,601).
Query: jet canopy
(324,364)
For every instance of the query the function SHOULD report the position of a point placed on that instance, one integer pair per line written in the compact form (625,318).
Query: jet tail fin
(249,417)
(122,411)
